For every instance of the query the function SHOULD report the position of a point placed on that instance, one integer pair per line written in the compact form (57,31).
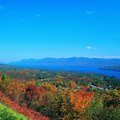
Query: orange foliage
(31,82)
(81,100)
(72,84)
(49,87)
(16,89)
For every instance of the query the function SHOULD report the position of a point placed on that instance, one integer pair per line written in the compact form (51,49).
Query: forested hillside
(59,95)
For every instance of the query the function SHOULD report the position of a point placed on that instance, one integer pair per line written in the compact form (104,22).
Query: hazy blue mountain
(73,61)
(8,67)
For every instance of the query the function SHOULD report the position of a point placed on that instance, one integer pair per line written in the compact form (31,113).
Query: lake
(86,70)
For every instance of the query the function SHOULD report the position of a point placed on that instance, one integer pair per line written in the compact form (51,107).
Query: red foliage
(34,94)
(23,110)
(41,89)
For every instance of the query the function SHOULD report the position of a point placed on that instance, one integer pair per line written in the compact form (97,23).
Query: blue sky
(59,28)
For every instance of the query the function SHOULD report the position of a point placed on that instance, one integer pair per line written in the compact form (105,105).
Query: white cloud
(90,12)
(109,57)
(106,57)
(90,48)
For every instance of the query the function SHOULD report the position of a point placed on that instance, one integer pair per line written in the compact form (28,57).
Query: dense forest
(58,95)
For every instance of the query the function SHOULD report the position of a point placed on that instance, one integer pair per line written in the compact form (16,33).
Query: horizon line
(94,57)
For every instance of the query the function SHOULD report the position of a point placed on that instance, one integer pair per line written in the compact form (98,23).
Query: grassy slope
(9,114)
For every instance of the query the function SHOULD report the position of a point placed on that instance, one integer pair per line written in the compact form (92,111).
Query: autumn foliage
(23,110)
(81,100)
(31,100)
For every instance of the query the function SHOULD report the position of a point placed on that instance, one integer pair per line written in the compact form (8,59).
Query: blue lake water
(87,70)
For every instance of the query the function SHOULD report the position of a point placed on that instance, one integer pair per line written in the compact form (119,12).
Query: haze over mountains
(73,61)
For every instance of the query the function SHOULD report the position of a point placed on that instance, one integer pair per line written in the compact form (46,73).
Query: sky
(59,28)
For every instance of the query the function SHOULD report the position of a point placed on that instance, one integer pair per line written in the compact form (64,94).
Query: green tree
(4,77)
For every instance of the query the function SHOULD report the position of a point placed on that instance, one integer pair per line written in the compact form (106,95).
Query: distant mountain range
(73,61)
(4,67)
